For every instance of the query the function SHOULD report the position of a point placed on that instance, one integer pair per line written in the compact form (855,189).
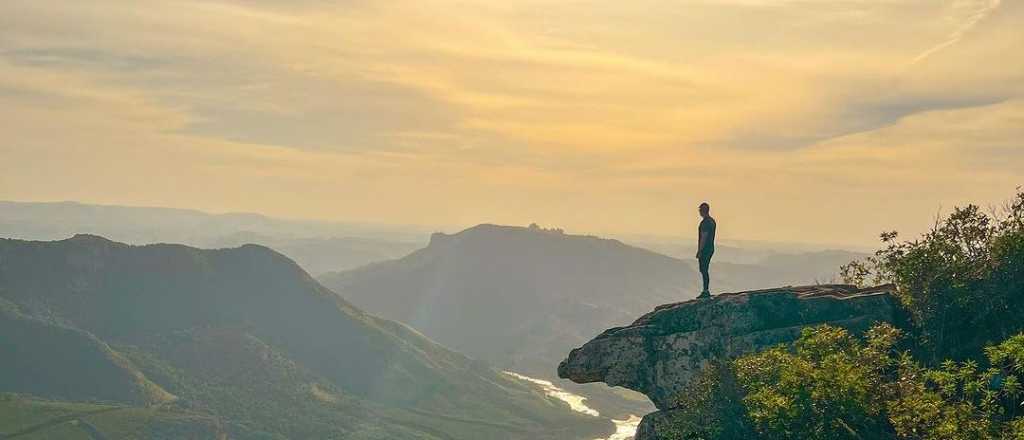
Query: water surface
(624,429)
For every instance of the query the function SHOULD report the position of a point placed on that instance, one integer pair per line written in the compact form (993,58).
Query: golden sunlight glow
(799,120)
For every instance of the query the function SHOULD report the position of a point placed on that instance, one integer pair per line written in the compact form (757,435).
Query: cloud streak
(976,12)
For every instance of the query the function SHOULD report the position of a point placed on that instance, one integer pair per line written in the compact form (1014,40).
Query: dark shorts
(705,261)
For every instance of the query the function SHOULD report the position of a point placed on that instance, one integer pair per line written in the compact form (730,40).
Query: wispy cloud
(968,14)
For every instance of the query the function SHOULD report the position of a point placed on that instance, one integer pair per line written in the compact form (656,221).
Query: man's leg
(705,263)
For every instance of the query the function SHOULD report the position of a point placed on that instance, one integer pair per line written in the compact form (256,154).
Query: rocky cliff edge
(659,353)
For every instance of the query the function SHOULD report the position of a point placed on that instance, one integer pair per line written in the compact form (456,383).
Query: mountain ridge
(205,324)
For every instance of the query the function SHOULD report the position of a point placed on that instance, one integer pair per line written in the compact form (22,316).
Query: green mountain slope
(49,359)
(27,418)
(246,335)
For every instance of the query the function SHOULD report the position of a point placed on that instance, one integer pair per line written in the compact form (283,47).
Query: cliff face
(659,353)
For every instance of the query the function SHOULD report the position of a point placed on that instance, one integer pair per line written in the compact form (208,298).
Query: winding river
(624,429)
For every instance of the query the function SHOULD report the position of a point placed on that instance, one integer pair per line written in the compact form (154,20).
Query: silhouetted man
(705,246)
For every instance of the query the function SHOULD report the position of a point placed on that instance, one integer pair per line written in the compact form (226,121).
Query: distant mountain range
(245,338)
(317,246)
(321,247)
(743,252)
(319,255)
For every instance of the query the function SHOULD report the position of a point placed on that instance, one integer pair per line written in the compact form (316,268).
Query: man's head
(704,209)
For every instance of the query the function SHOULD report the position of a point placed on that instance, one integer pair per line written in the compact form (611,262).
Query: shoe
(704,295)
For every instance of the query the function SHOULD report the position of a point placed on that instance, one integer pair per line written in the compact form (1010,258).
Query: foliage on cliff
(962,283)
(834,386)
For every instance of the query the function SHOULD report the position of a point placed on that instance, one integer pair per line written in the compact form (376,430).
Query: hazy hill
(805,268)
(143,224)
(519,297)
(245,335)
(317,246)
(801,263)
(324,254)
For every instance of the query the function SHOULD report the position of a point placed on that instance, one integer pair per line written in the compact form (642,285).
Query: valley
(172,325)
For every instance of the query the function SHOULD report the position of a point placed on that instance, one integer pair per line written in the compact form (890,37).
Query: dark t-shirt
(707,228)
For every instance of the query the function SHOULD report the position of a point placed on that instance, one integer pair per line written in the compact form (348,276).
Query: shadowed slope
(206,324)
(48,359)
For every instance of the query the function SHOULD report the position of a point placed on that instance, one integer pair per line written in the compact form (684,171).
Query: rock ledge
(659,353)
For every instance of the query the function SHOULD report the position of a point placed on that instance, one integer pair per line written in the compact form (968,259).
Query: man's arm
(700,242)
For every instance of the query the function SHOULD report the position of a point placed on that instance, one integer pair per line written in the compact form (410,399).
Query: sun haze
(824,121)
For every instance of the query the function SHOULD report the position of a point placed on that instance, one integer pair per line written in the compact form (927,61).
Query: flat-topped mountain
(246,336)
(663,350)
(486,290)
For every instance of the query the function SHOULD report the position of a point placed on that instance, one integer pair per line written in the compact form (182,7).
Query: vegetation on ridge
(962,283)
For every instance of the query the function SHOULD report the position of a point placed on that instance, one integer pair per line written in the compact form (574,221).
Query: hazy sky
(811,120)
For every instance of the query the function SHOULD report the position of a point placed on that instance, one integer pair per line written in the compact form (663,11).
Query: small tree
(962,283)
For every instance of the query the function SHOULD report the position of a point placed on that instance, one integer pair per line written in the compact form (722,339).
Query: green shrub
(962,283)
(826,387)
(831,385)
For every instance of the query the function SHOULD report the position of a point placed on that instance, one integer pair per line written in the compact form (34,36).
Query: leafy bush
(962,283)
(832,385)
(827,387)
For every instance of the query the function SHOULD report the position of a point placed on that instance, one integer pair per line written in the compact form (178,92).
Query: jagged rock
(659,353)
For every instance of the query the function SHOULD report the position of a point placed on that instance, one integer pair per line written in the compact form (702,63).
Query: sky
(798,120)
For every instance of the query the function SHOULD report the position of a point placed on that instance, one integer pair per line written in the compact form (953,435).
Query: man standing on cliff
(705,246)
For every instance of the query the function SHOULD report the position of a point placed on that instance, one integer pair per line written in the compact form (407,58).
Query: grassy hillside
(50,359)
(26,418)
(244,334)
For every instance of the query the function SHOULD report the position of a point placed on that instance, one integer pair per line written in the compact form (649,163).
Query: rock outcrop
(659,353)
